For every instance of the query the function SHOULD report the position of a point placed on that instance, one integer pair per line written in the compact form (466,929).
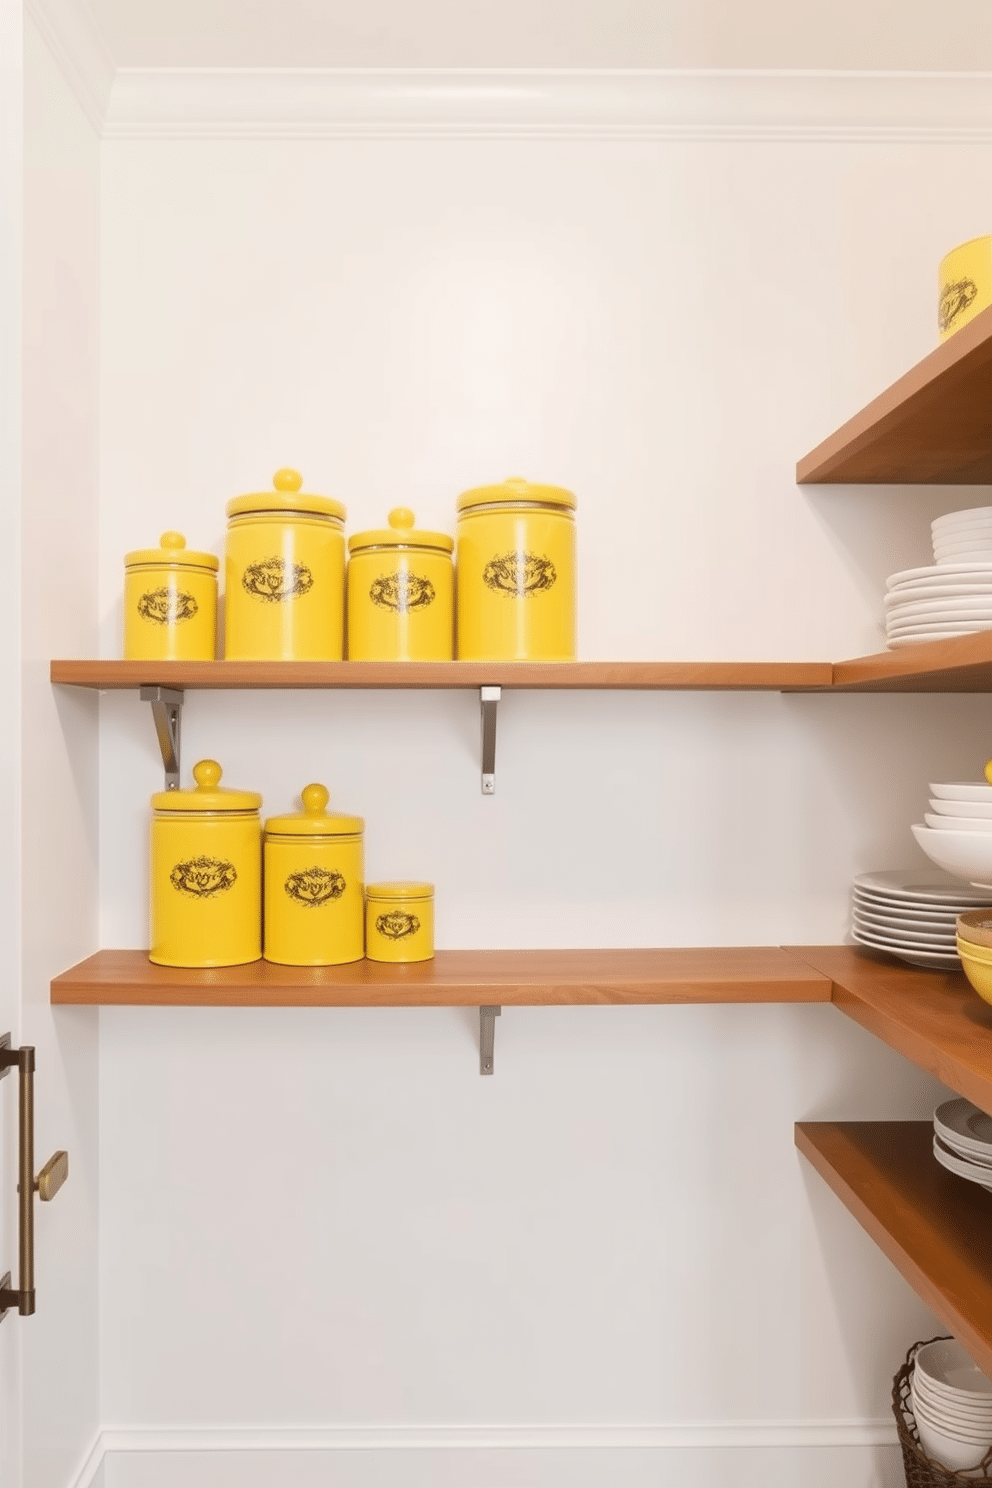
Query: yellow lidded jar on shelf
(964,285)
(401,593)
(314,885)
(284,575)
(399,922)
(170,603)
(206,874)
(516,573)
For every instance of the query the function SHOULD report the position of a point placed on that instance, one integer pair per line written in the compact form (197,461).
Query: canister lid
(399,890)
(315,820)
(401,533)
(286,496)
(173,550)
(209,794)
(516,489)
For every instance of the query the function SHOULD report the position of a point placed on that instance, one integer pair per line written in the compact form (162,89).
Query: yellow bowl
(975,926)
(977,952)
(979,973)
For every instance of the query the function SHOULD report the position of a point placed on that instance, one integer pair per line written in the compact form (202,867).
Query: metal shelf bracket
(167,715)
(489,699)
(487,1037)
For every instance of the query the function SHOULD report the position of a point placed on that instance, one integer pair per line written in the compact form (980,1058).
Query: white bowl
(964,518)
(973,809)
(949,1367)
(979,1440)
(961,790)
(958,823)
(967,855)
(972,1413)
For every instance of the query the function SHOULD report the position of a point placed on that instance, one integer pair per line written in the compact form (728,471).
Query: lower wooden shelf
(933,1226)
(458,979)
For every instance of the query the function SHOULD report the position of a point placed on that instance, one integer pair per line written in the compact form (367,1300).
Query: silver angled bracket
(167,713)
(489,698)
(487,1037)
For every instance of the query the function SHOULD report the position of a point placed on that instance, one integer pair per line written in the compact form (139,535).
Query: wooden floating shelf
(458,979)
(934,1018)
(932,1225)
(963,664)
(932,427)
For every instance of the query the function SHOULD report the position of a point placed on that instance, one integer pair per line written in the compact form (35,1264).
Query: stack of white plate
(956,832)
(911,913)
(962,1141)
(954,597)
(952,1405)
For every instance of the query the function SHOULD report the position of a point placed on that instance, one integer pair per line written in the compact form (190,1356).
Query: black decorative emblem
(315,886)
(167,606)
(402,592)
(396,924)
(519,575)
(954,300)
(203,877)
(274,579)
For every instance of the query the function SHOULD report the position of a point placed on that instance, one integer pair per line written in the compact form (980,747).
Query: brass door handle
(47,1183)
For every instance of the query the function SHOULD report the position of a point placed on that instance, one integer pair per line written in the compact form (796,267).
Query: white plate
(968,516)
(973,571)
(920,640)
(962,808)
(958,1165)
(895,920)
(958,823)
(982,1162)
(898,912)
(965,1124)
(979,552)
(954,604)
(926,885)
(960,790)
(936,588)
(915,955)
(901,940)
(935,624)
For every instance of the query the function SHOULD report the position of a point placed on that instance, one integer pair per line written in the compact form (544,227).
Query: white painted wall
(58,776)
(319,1221)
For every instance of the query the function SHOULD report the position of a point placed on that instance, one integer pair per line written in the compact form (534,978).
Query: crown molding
(76,43)
(151,103)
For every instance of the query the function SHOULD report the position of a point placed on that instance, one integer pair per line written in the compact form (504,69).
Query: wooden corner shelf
(934,1018)
(457,979)
(932,427)
(963,664)
(932,1225)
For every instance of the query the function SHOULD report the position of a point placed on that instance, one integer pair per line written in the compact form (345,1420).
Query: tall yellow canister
(206,874)
(516,573)
(399,921)
(314,885)
(964,285)
(401,593)
(284,575)
(170,603)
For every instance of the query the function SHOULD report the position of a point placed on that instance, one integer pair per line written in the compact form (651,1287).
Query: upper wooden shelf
(963,664)
(932,427)
(932,1225)
(934,1018)
(772,676)
(457,979)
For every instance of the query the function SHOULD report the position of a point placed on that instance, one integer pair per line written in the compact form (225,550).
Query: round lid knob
(401,519)
(172,540)
(207,775)
(287,480)
(315,799)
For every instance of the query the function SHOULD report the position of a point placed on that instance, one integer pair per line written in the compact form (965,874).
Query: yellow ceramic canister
(170,603)
(401,593)
(964,285)
(284,573)
(516,573)
(314,885)
(206,874)
(399,922)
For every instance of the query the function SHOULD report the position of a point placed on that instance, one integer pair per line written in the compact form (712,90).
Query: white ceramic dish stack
(956,832)
(912,914)
(952,598)
(962,1141)
(952,1404)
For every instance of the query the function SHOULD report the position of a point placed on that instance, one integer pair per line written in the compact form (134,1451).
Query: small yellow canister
(284,575)
(401,593)
(964,285)
(206,874)
(516,573)
(399,922)
(170,603)
(314,885)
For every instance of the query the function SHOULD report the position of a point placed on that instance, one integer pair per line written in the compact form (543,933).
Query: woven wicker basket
(921,1470)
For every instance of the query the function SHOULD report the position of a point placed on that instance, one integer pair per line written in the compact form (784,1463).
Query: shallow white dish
(959,823)
(903,938)
(937,590)
(903,914)
(908,575)
(961,1167)
(920,639)
(962,808)
(966,1125)
(966,517)
(968,854)
(960,790)
(938,604)
(934,624)
(921,885)
(926,957)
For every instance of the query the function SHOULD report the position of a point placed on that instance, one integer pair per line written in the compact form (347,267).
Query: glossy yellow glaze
(516,574)
(977,968)
(964,285)
(314,885)
(399,922)
(401,593)
(170,603)
(284,575)
(206,874)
